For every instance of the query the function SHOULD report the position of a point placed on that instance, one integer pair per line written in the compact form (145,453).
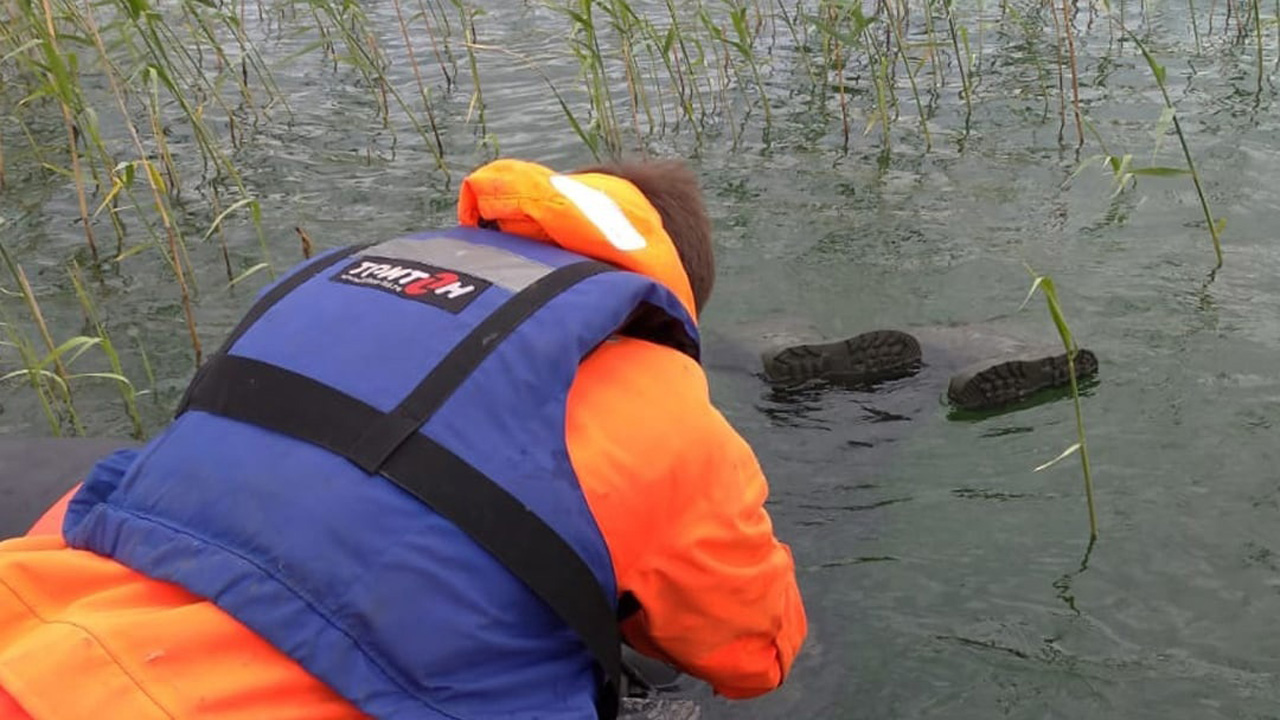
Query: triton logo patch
(448,290)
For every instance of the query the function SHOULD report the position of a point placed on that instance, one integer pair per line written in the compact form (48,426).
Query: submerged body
(975,367)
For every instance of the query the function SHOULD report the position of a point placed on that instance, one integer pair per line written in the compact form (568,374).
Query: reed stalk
(1045,285)
(1069,28)
(127,393)
(156,185)
(437,148)
(1215,225)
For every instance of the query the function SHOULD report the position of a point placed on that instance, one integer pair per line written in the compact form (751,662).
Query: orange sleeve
(679,497)
(717,590)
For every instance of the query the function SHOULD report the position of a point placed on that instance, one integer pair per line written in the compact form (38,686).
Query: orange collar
(601,216)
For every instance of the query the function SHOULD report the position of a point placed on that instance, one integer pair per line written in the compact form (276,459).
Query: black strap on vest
(272,397)
(388,431)
(389,444)
(265,303)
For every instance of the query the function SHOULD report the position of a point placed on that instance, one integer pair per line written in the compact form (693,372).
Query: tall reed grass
(1046,286)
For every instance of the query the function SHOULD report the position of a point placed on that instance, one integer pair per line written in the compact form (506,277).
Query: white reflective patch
(502,267)
(602,211)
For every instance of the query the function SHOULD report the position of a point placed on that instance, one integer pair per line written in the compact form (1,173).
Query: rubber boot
(990,384)
(867,358)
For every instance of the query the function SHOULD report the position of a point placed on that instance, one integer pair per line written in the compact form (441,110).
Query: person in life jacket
(443,475)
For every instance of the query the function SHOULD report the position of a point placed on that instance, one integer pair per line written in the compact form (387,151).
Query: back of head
(672,188)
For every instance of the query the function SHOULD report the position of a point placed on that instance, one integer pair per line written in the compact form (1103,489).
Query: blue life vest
(372,475)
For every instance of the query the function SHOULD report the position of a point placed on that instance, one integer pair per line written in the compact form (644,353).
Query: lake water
(942,575)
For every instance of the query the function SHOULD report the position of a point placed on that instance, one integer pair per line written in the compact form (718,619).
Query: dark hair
(672,188)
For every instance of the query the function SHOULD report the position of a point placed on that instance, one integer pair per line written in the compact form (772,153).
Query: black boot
(987,385)
(869,357)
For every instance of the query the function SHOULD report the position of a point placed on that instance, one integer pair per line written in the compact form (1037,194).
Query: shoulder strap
(386,434)
(389,444)
(265,303)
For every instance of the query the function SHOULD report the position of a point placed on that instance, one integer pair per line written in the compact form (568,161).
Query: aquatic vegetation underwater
(149,125)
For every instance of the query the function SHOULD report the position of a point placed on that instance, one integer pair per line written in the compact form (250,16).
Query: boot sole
(1011,381)
(869,357)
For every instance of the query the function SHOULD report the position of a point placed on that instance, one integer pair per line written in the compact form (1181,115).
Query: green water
(941,574)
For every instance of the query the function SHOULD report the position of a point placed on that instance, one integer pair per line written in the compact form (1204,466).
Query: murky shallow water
(942,576)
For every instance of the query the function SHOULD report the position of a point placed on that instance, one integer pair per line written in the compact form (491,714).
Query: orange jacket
(677,493)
